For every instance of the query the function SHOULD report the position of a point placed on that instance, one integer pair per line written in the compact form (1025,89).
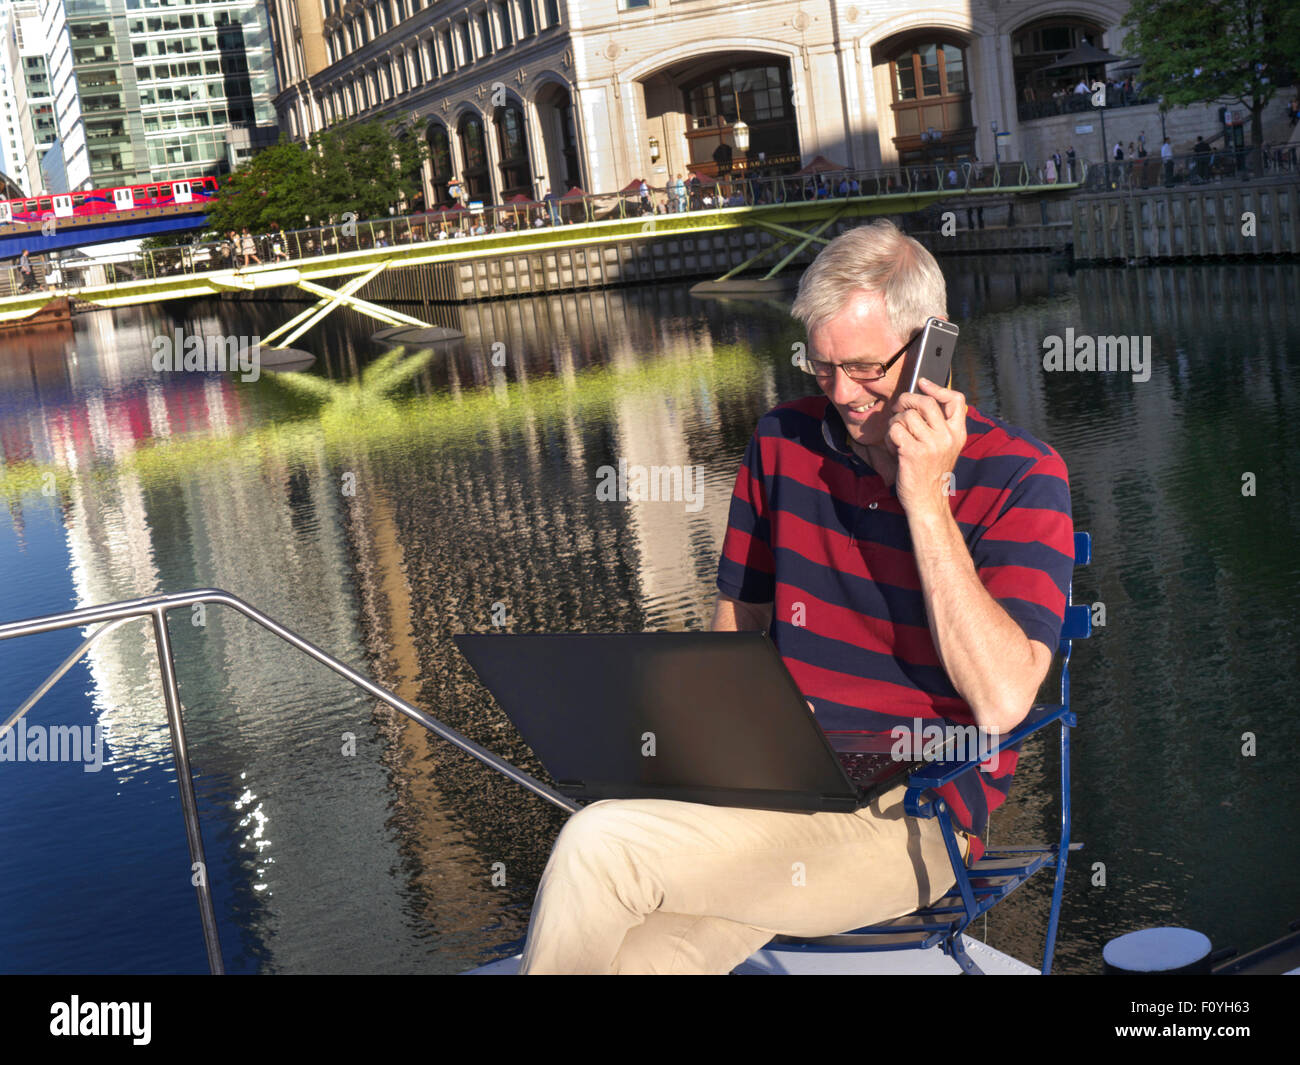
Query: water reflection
(392,498)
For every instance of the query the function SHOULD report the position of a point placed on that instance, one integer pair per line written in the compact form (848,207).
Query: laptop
(710,717)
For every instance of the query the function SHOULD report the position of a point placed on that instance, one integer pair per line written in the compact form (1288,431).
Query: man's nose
(842,387)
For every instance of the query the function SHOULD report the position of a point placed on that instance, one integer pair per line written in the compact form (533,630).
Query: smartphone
(931,356)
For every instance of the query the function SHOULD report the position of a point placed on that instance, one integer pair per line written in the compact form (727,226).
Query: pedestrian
(27,278)
(1167,159)
(1070,157)
(1050,167)
(1202,152)
(645,197)
(248,248)
(553,206)
(679,194)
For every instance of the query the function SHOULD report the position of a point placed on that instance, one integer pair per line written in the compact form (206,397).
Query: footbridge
(574,242)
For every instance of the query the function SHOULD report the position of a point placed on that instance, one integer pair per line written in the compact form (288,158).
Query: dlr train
(92,202)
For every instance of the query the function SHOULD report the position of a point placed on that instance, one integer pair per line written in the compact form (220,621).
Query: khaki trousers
(656,886)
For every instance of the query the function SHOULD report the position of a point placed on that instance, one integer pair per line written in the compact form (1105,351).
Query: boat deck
(932,962)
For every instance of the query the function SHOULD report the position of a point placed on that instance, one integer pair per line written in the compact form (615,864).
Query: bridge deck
(782,219)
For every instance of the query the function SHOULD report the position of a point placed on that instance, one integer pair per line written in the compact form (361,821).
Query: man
(26,276)
(1202,153)
(1071,156)
(888,598)
(1167,159)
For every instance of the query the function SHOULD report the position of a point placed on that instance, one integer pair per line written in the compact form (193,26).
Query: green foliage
(368,167)
(363,168)
(1245,50)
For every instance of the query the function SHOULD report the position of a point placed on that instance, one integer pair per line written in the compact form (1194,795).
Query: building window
(507,30)
(485,33)
(633,4)
(440,160)
(529,22)
(760,95)
(473,150)
(931,94)
(552,13)
(466,49)
(512,147)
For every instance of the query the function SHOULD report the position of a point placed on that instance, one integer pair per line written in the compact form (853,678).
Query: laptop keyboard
(863,768)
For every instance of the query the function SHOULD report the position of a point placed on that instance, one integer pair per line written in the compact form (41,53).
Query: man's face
(860,332)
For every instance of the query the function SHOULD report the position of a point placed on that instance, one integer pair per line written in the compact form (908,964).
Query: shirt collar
(834,433)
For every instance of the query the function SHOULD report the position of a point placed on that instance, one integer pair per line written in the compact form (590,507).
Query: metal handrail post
(185,783)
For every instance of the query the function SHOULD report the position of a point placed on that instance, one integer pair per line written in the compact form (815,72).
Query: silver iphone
(931,356)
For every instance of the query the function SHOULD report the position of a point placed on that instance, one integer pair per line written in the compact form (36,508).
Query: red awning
(574,193)
(633,186)
(519,197)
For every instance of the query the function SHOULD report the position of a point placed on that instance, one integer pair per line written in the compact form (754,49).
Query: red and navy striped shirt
(815,531)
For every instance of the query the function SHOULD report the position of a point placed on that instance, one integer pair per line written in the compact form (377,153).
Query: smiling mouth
(867,407)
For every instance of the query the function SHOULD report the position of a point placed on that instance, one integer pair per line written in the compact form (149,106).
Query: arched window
(759,95)
(473,150)
(440,158)
(931,105)
(512,147)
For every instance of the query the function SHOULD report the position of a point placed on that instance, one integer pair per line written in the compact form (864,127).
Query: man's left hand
(926,434)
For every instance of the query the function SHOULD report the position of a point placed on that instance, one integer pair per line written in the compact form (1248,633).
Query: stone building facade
(520,96)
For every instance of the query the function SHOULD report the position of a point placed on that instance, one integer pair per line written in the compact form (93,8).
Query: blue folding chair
(1001,870)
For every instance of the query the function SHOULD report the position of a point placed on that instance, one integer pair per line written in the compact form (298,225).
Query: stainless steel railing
(113,615)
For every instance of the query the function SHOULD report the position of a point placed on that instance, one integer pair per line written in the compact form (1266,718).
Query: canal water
(388,498)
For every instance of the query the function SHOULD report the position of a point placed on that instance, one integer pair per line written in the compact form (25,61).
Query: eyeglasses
(859,372)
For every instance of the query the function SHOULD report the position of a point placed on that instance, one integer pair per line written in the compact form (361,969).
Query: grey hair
(876,258)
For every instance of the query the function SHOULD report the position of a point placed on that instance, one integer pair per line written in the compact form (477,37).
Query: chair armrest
(937,774)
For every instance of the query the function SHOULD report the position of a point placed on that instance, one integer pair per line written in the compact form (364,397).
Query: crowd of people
(1068,96)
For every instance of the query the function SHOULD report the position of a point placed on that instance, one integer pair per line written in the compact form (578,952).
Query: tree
(364,169)
(368,167)
(1226,51)
(278,187)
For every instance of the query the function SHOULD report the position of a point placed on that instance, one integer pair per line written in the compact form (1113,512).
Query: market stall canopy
(633,186)
(574,193)
(820,165)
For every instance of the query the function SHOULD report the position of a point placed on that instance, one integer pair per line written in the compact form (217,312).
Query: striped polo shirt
(815,531)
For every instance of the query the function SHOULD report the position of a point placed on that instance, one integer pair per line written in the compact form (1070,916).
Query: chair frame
(1001,870)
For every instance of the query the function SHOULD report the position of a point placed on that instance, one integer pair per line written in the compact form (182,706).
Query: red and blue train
(91,203)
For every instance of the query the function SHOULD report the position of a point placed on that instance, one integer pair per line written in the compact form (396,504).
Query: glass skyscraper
(171,88)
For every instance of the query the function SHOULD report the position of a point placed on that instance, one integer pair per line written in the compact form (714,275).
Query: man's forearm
(731,615)
(988,658)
